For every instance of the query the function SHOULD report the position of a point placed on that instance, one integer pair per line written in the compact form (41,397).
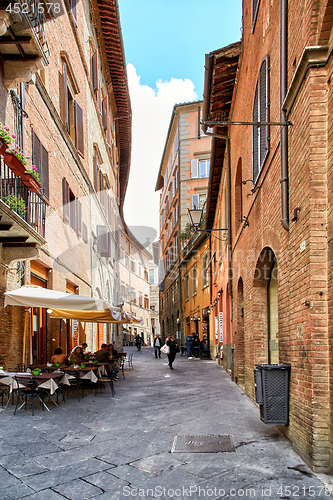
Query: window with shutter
(65,200)
(104,113)
(94,71)
(79,143)
(260,134)
(84,232)
(255,8)
(45,171)
(194,169)
(195,201)
(104,242)
(96,171)
(66,95)
(78,210)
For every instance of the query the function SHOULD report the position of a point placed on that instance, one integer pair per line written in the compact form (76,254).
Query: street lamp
(195,216)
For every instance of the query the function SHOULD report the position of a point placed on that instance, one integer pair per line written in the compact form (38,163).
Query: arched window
(260,134)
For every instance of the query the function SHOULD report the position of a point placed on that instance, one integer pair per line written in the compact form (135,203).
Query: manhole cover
(202,444)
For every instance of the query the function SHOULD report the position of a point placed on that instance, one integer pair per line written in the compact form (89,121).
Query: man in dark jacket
(138,341)
(157,345)
(189,345)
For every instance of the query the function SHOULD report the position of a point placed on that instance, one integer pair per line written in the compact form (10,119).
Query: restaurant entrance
(38,344)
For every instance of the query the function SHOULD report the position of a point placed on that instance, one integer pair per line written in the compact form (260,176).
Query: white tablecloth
(90,376)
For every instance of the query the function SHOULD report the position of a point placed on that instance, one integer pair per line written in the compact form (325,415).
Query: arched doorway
(239,340)
(273,323)
(265,319)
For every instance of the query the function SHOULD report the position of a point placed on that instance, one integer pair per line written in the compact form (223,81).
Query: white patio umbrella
(67,306)
(36,296)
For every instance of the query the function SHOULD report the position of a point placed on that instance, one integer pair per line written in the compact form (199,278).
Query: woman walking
(173,346)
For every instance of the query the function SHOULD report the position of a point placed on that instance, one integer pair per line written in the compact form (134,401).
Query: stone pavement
(116,448)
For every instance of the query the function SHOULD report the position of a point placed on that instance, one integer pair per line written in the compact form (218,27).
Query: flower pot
(31,182)
(14,164)
(3,147)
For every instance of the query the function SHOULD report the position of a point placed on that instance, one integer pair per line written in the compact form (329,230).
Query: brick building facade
(71,113)
(278,206)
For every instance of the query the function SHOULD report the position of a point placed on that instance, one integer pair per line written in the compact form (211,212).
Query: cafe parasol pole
(26,312)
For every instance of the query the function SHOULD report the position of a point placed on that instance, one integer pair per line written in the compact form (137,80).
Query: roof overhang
(220,79)
(110,37)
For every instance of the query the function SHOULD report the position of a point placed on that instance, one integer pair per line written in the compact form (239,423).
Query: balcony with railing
(23,43)
(22,218)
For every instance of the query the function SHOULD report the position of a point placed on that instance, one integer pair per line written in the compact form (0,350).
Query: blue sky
(169,38)
(165,44)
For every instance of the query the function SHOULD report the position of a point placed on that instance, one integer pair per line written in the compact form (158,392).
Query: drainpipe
(284,129)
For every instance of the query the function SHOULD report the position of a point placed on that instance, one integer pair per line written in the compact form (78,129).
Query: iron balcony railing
(30,206)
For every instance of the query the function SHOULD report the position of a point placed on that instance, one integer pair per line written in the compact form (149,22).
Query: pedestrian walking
(171,342)
(157,345)
(138,341)
(189,345)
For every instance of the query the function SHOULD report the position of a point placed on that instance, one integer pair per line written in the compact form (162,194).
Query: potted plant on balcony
(16,161)
(5,137)
(31,179)
(16,203)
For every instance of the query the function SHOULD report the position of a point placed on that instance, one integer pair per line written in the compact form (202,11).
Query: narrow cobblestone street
(115,448)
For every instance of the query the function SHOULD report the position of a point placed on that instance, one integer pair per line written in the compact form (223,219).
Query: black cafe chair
(27,390)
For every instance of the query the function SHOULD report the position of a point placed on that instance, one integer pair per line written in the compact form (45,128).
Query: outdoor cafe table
(51,368)
(48,381)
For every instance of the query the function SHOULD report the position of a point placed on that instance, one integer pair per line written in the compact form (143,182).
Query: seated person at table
(59,356)
(103,355)
(77,355)
(112,351)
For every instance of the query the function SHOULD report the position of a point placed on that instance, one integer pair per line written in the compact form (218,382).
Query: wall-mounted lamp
(192,319)
(296,210)
(195,216)
(247,180)
(219,293)
(198,318)
(245,220)
(178,321)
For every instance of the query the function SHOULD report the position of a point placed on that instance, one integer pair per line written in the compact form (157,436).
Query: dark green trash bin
(272,393)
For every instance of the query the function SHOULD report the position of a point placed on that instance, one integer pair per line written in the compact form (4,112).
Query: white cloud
(151,110)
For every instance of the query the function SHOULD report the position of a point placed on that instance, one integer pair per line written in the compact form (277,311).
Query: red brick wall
(304,269)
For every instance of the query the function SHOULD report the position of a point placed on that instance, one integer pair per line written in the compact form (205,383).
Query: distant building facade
(134,285)
(183,181)
(154,249)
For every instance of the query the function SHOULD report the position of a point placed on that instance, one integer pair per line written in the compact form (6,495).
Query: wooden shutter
(95,160)
(103,245)
(45,171)
(108,130)
(255,137)
(73,4)
(66,96)
(105,113)
(65,200)
(36,156)
(195,201)
(94,71)
(79,142)
(78,213)
(194,169)
(263,112)
(84,232)
(100,184)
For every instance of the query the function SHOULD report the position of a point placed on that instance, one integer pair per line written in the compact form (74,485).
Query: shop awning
(105,316)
